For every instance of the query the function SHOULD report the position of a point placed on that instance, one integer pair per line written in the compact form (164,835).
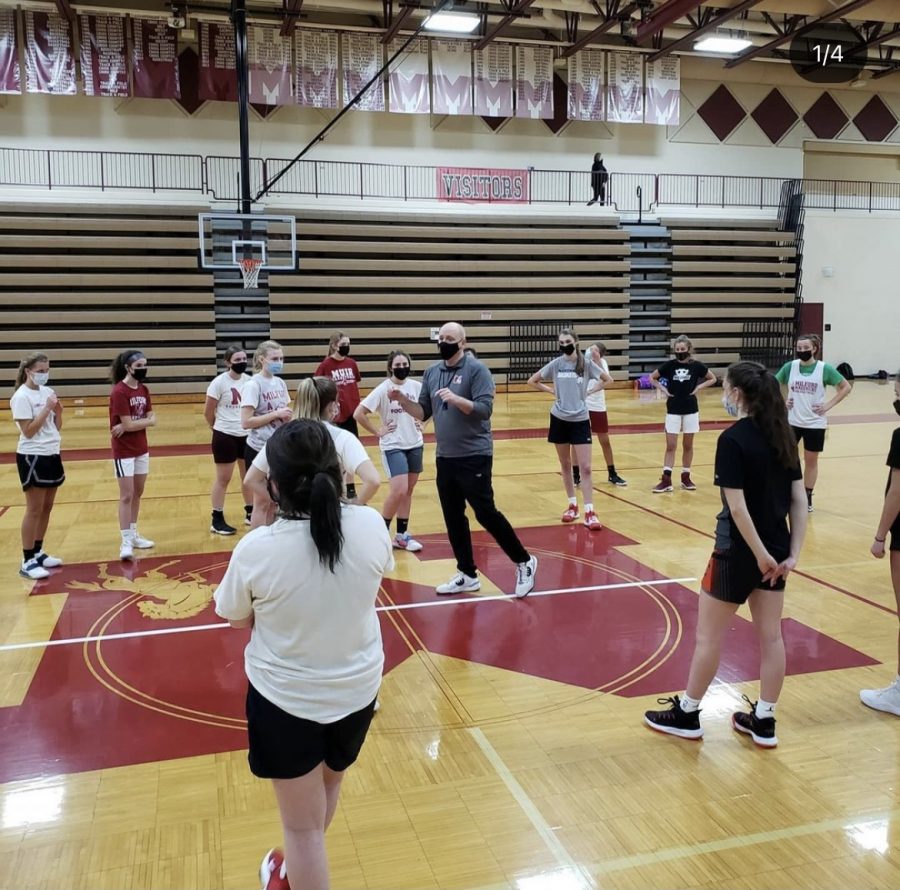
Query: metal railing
(217,177)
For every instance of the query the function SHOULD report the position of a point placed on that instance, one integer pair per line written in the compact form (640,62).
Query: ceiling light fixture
(453,22)
(719,44)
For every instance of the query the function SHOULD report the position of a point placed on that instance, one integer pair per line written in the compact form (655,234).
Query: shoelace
(671,700)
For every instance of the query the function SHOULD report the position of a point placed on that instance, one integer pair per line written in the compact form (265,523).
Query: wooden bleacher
(386,284)
(726,272)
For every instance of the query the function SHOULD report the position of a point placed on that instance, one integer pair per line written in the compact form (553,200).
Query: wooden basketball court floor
(509,751)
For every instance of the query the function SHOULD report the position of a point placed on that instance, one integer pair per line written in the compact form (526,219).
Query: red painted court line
(806,575)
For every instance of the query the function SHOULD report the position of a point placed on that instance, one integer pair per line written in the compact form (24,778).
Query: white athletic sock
(667,470)
(133,528)
(126,533)
(588,508)
(689,705)
(765,709)
(573,502)
(686,470)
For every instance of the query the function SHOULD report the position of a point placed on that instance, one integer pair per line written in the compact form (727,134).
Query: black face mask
(401,373)
(239,367)
(682,356)
(897,405)
(568,349)
(804,355)
(448,350)
(139,374)
(344,350)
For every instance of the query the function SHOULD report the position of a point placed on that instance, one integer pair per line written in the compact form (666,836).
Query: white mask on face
(40,378)
(729,406)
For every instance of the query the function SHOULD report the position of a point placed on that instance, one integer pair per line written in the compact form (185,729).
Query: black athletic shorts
(813,440)
(732,575)
(283,746)
(350,425)
(569,432)
(40,470)
(227,449)
(895,535)
(249,455)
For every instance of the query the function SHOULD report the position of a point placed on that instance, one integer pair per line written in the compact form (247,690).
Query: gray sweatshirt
(459,434)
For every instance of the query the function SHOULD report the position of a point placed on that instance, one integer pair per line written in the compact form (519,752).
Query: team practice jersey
(806,389)
(596,401)
(315,649)
(134,403)
(264,395)
(227,393)
(25,405)
(346,377)
(570,386)
(408,433)
(681,379)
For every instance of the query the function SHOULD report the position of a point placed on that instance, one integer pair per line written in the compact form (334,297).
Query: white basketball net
(250,271)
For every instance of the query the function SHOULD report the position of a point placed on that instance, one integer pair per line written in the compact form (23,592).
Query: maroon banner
(49,62)
(154,59)
(9,52)
(104,70)
(476,185)
(218,71)
(269,57)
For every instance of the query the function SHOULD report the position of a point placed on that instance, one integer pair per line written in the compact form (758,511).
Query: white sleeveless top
(806,391)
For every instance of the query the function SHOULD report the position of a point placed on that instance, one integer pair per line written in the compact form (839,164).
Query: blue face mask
(730,407)
(276,367)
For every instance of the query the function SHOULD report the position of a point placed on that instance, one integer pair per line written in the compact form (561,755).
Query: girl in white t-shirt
(306,586)
(401,441)
(596,403)
(229,439)
(317,399)
(37,413)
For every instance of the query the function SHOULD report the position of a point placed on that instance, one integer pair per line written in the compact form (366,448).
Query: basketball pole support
(239,20)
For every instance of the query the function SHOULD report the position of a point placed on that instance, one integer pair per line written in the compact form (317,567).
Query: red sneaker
(570,515)
(664,484)
(592,522)
(687,483)
(273,871)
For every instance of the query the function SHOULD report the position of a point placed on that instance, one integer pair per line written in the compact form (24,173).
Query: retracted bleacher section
(84,283)
(387,280)
(733,287)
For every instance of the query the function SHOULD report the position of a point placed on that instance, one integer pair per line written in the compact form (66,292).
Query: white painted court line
(400,607)
(576,876)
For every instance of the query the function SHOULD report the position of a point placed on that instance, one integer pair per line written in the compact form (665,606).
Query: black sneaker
(616,479)
(221,527)
(760,729)
(675,721)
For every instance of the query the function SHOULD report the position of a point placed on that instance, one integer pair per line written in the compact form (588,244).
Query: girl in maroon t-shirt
(339,367)
(130,414)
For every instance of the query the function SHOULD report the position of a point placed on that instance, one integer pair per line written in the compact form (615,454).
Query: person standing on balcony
(599,178)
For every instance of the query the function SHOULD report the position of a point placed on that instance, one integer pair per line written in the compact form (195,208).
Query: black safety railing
(218,177)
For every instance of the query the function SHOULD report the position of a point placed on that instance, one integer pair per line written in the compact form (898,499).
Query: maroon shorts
(599,422)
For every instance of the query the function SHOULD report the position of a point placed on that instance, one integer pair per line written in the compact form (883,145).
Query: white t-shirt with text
(264,395)
(596,401)
(315,650)
(227,393)
(408,433)
(26,404)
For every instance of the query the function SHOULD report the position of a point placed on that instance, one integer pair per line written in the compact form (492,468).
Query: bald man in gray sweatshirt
(458,393)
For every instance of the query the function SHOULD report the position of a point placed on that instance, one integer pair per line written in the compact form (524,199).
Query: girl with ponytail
(758,471)
(306,586)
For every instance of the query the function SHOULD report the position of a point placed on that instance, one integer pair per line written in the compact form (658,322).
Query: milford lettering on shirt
(807,387)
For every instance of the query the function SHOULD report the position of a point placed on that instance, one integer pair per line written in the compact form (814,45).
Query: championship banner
(317,68)
(154,59)
(586,85)
(361,58)
(408,78)
(49,61)
(104,69)
(625,93)
(9,52)
(494,80)
(476,185)
(534,82)
(269,63)
(451,80)
(663,92)
(218,70)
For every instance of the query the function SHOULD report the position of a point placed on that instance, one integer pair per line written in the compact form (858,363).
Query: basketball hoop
(250,271)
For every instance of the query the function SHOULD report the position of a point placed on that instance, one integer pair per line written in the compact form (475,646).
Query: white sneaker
(459,583)
(525,574)
(405,542)
(126,551)
(47,561)
(33,570)
(887,699)
(141,543)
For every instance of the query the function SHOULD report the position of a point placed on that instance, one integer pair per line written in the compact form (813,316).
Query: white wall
(861,301)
